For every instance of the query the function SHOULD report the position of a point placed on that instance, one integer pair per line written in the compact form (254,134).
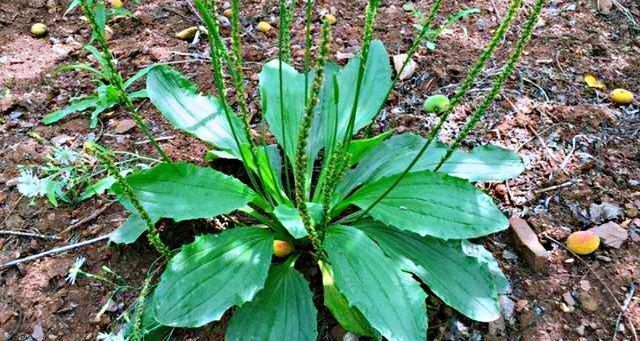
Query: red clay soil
(579,149)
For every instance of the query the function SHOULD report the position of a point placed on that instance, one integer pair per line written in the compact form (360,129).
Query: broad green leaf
(337,98)
(283,310)
(290,218)
(462,280)
(183,191)
(432,204)
(359,148)
(202,116)
(212,274)
(129,231)
(97,188)
(77,105)
(391,157)
(375,84)
(349,318)
(293,103)
(487,260)
(389,298)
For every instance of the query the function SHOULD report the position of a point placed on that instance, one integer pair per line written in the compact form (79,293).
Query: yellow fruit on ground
(583,242)
(227,12)
(187,33)
(281,248)
(263,27)
(621,96)
(39,29)
(330,18)
(116,3)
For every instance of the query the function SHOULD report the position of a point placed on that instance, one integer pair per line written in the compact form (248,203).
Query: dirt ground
(581,152)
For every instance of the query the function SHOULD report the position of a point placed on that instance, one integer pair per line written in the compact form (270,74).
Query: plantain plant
(380,217)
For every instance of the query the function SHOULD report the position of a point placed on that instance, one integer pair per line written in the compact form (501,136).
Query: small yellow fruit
(330,19)
(39,29)
(281,248)
(263,27)
(583,242)
(227,12)
(187,33)
(621,96)
(116,4)
(593,82)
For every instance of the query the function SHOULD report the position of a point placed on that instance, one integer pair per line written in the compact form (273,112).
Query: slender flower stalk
(466,85)
(301,149)
(241,96)
(207,10)
(337,166)
(370,17)
(308,40)
(105,157)
(426,27)
(497,85)
(136,334)
(115,78)
(283,41)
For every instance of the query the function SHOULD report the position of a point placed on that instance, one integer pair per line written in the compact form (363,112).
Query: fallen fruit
(621,96)
(116,4)
(39,29)
(436,104)
(187,33)
(108,32)
(593,82)
(281,248)
(330,18)
(583,242)
(263,27)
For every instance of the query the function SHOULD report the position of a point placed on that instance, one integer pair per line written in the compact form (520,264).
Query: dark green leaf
(375,84)
(461,279)
(129,231)
(182,191)
(141,73)
(349,318)
(77,105)
(359,148)
(211,275)
(432,204)
(97,188)
(290,218)
(389,298)
(202,116)
(391,157)
(283,310)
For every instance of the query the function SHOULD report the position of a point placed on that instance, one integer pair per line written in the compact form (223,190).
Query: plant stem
(370,17)
(241,96)
(281,55)
(301,150)
(216,49)
(497,85)
(307,47)
(466,85)
(116,79)
(104,155)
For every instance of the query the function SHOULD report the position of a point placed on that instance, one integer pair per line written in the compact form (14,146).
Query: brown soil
(564,131)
